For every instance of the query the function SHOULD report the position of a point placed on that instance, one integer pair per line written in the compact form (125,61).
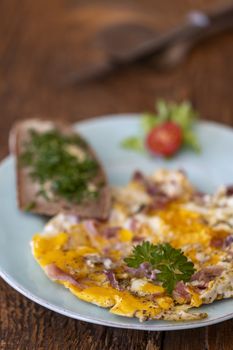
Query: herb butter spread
(61,165)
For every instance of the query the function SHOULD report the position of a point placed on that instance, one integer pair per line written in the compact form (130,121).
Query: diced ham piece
(112,279)
(158,196)
(229,190)
(57,274)
(159,202)
(91,227)
(144,270)
(199,197)
(137,239)
(111,232)
(150,187)
(228,241)
(138,176)
(207,274)
(134,224)
(181,293)
(217,242)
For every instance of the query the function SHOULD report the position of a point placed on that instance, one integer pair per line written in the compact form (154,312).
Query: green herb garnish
(182,114)
(172,264)
(134,143)
(30,206)
(51,162)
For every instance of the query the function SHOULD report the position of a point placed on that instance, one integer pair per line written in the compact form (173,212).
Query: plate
(18,268)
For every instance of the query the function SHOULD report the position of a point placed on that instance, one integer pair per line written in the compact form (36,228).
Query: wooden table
(42,43)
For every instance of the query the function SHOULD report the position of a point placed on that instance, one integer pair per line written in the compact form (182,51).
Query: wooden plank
(220,336)
(41,44)
(26,325)
(193,339)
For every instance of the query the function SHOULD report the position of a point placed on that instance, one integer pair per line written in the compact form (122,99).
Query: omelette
(89,257)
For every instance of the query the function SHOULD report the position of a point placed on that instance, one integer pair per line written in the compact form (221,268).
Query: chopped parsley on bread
(57,171)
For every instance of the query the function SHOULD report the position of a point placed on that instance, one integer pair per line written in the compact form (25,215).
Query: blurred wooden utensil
(125,44)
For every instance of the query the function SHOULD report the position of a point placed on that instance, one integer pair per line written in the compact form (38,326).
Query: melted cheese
(49,249)
(165,302)
(130,306)
(121,303)
(195,298)
(101,296)
(142,287)
(125,235)
(185,227)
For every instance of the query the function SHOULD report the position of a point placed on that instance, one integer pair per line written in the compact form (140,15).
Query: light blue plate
(208,170)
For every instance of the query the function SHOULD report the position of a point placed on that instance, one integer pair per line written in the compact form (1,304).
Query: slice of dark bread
(27,188)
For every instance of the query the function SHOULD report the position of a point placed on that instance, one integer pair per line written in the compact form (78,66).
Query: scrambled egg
(87,256)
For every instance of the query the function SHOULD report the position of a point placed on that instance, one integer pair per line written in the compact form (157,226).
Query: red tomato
(165,139)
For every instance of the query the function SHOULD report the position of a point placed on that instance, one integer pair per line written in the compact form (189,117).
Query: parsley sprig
(172,264)
(182,114)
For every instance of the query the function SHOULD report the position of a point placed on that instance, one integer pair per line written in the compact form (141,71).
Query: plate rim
(63,311)
(140,326)
(136,115)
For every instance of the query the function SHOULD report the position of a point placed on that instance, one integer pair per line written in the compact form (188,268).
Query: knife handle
(198,26)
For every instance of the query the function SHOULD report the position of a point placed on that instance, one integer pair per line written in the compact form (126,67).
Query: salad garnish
(166,131)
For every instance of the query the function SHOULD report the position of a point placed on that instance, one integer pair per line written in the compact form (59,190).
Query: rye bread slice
(27,188)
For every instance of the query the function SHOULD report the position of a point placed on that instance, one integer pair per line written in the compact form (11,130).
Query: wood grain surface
(42,45)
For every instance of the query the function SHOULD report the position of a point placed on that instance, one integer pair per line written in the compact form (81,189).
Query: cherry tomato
(164,139)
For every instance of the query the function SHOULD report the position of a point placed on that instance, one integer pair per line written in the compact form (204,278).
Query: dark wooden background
(42,43)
